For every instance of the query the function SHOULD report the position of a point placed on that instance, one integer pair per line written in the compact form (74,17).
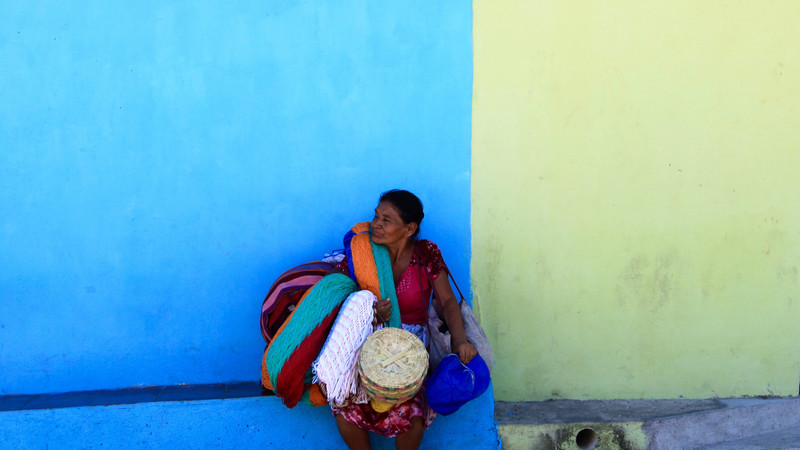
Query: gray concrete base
(788,439)
(650,424)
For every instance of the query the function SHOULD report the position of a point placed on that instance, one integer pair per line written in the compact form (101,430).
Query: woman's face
(387,226)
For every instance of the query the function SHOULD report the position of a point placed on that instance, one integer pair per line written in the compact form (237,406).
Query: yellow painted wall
(635,183)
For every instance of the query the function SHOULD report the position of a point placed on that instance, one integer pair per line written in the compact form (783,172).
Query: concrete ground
(749,423)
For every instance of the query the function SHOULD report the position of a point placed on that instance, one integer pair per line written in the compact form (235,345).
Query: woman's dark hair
(407,204)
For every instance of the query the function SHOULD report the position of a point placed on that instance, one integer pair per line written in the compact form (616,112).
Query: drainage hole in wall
(586,439)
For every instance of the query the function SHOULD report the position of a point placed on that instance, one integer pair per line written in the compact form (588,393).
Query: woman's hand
(383,310)
(464,349)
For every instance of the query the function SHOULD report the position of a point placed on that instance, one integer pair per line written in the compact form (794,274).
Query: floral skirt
(390,423)
(398,419)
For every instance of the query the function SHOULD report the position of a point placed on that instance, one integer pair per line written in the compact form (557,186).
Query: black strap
(454,280)
(430,280)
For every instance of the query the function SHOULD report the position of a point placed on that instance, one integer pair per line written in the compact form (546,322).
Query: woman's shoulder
(425,246)
(429,256)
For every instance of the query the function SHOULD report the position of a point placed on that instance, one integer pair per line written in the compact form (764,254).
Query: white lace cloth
(337,363)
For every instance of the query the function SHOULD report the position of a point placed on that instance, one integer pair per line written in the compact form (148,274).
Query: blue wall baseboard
(233,422)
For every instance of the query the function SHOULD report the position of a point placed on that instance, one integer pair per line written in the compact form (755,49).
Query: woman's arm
(452,317)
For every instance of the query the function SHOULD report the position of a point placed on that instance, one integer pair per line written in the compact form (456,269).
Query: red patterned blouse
(414,289)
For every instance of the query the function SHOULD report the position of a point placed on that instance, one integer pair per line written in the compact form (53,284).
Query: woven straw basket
(392,365)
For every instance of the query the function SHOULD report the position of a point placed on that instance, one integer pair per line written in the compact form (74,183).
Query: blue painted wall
(243,423)
(161,163)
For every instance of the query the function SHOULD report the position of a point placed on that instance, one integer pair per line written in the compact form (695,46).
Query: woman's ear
(411,228)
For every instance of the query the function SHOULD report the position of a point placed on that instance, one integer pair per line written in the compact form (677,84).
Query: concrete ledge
(788,439)
(246,422)
(736,419)
(644,424)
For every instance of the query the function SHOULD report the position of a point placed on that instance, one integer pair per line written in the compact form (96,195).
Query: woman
(416,264)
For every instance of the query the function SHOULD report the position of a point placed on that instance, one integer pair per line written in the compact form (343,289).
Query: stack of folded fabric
(287,364)
(288,358)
